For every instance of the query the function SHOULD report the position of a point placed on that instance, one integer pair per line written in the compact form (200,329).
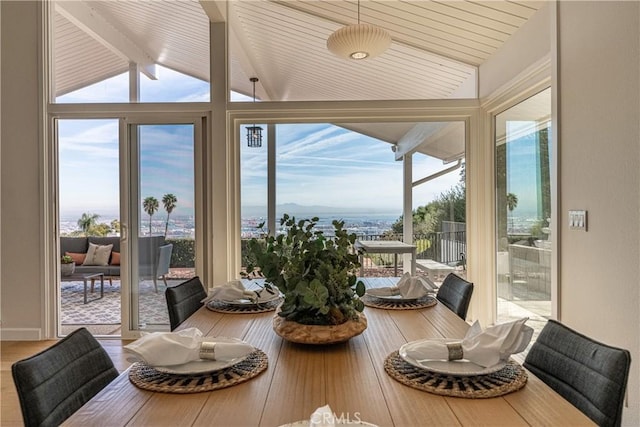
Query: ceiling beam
(108,33)
(218,11)
(215,10)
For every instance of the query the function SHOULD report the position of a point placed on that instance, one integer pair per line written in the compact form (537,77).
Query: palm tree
(169,201)
(150,205)
(87,221)
(512,202)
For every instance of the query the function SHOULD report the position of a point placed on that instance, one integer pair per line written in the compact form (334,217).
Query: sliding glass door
(523,208)
(89,218)
(126,220)
(161,218)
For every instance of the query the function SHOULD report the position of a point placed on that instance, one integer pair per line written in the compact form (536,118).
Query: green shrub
(184,253)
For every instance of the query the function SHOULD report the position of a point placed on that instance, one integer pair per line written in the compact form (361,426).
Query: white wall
(599,158)
(21,271)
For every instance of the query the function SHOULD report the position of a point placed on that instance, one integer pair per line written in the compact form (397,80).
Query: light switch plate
(578,220)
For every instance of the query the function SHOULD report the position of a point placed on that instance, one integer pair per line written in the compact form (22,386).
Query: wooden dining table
(349,377)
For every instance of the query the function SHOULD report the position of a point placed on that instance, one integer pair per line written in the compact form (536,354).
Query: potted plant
(317,275)
(67,265)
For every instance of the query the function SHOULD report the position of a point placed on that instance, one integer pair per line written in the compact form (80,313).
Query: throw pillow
(78,258)
(115,258)
(98,254)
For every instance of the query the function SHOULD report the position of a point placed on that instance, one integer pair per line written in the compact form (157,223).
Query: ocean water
(184,227)
(361,224)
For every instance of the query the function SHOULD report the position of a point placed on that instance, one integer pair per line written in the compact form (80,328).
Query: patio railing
(446,247)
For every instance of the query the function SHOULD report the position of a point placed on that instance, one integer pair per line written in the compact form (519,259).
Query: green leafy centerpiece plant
(317,275)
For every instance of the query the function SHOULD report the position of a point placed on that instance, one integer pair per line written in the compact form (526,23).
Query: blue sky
(318,164)
(170,86)
(522,169)
(89,166)
(323,164)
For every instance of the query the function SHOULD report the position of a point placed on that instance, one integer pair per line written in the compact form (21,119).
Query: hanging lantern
(254,133)
(254,136)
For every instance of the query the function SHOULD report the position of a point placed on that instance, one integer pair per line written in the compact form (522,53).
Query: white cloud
(317,164)
(330,166)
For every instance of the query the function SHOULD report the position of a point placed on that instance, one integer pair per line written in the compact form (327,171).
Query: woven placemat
(147,378)
(508,379)
(424,302)
(223,307)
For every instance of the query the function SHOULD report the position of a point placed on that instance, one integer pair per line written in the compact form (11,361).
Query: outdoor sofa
(154,256)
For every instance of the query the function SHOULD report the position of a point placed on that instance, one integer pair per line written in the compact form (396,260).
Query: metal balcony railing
(446,247)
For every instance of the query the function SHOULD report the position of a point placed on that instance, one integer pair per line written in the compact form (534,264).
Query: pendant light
(254,133)
(358,41)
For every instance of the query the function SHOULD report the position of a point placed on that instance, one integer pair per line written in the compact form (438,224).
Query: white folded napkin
(187,345)
(235,290)
(485,348)
(408,286)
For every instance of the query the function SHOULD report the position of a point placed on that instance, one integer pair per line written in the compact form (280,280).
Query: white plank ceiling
(435,53)
(437,45)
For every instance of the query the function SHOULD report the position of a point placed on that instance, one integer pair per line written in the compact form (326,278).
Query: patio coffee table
(84,278)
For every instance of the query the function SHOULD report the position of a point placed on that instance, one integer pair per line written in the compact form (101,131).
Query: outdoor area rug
(106,311)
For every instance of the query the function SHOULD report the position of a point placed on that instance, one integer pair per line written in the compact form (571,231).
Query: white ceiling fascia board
(385,131)
(244,59)
(452,137)
(215,10)
(410,141)
(93,23)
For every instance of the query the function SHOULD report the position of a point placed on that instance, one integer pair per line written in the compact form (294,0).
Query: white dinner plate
(393,298)
(460,368)
(246,301)
(203,366)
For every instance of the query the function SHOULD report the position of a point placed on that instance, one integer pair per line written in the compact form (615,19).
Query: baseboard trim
(21,334)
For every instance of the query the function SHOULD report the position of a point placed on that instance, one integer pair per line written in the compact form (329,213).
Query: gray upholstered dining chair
(56,382)
(183,300)
(589,374)
(455,293)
